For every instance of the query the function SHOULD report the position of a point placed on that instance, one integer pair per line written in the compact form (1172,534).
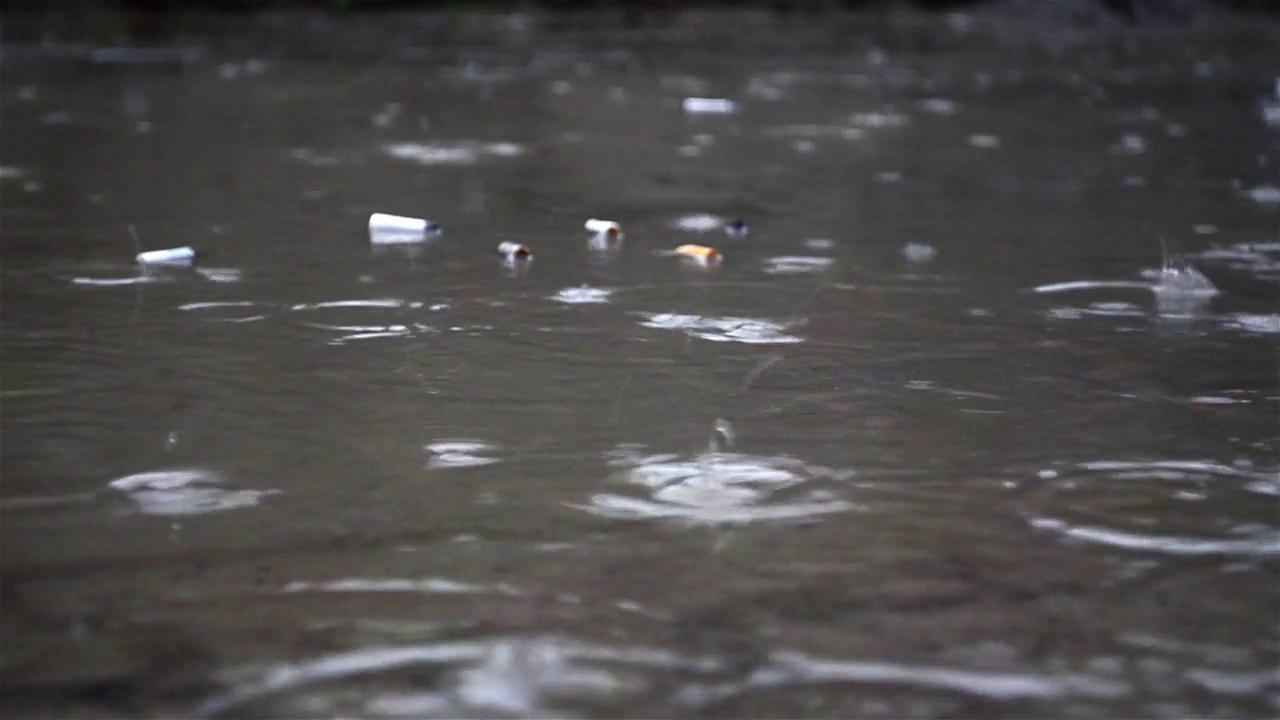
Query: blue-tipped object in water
(737,228)
(387,229)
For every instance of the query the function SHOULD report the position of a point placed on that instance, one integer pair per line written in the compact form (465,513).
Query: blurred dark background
(155,13)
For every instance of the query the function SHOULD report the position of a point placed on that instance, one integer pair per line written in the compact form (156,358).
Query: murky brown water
(311,477)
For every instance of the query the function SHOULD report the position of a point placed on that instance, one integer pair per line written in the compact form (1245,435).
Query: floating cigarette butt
(700,253)
(385,229)
(514,251)
(171,256)
(607,228)
(712,106)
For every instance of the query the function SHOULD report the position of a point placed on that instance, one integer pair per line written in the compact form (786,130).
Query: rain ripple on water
(722,329)
(184,492)
(716,488)
(1163,507)
(552,676)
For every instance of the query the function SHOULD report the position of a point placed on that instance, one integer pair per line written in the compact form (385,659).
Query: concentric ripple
(723,329)
(716,488)
(1164,507)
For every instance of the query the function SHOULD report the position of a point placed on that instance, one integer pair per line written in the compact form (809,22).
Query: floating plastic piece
(919,252)
(709,106)
(172,256)
(700,253)
(514,251)
(608,228)
(387,229)
(737,228)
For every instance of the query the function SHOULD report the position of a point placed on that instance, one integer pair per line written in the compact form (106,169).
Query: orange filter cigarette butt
(701,253)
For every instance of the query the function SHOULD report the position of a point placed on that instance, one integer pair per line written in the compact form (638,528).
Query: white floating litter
(608,228)
(386,228)
(919,252)
(514,251)
(709,106)
(172,256)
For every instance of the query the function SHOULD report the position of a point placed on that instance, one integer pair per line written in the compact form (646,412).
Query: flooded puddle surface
(991,379)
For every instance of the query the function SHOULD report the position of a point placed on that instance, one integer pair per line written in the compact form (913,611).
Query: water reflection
(583,295)
(457,153)
(550,676)
(796,264)
(185,492)
(723,329)
(507,677)
(460,453)
(235,311)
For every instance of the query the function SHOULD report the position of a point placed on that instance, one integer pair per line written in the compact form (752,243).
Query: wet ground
(947,433)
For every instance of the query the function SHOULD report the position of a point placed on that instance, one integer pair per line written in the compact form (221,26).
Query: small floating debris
(937,106)
(698,222)
(514,252)
(385,228)
(919,252)
(608,229)
(700,254)
(985,142)
(1264,195)
(180,256)
(709,106)
(737,228)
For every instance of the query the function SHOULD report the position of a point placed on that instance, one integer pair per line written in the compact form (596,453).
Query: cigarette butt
(714,106)
(171,256)
(514,251)
(607,228)
(700,253)
(392,229)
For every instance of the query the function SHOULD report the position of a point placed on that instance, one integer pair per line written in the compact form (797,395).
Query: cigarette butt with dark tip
(700,253)
(514,251)
(604,228)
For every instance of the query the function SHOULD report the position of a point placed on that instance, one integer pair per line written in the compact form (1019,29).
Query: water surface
(860,468)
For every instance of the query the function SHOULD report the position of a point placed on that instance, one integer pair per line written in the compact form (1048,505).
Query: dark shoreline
(30,26)
(1132,11)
